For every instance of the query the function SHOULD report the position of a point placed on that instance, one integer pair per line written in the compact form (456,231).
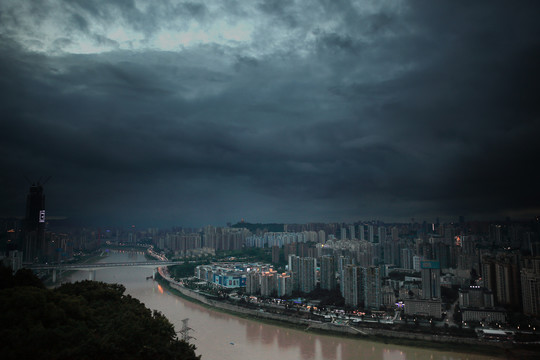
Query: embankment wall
(313,324)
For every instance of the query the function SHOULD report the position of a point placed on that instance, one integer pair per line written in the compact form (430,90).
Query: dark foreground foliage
(84,320)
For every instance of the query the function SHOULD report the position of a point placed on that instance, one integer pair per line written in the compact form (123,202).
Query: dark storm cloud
(342,111)
(460,107)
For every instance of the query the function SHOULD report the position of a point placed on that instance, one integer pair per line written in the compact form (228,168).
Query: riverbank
(405,338)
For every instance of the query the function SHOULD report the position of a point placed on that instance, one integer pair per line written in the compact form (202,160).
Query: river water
(220,336)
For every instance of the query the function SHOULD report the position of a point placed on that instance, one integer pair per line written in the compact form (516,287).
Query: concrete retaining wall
(312,324)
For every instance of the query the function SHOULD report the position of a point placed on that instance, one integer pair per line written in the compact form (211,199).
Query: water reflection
(220,336)
(393,355)
(330,349)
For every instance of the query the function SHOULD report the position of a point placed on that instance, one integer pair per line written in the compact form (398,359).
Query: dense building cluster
(496,265)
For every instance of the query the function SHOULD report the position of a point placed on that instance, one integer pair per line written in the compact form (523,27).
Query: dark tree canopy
(84,320)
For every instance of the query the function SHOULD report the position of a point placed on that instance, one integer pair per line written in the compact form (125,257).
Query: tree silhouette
(84,320)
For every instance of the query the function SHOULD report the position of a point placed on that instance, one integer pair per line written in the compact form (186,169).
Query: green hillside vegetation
(84,320)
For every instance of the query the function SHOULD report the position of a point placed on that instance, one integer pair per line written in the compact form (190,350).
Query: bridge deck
(99,266)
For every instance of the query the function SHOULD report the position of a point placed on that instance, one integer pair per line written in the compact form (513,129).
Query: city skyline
(288,112)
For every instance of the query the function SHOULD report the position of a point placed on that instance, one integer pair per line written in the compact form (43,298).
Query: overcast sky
(161,113)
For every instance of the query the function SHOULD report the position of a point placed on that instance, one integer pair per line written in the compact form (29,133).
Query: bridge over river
(91,268)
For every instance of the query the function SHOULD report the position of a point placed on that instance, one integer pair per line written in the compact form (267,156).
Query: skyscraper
(342,262)
(372,287)
(508,281)
(502,276)
(406,258)
(34,225)
(361,232)
(284,285)
(395,233)
(371,232)
(382,234)
(268,283)
(530,285)
(322,236)
(308,274)
(328,273)
(352,286)
(275,254)
(294,269)
(253,282)
(431,279)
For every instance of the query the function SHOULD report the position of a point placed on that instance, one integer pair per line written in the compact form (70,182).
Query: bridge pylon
(184,333)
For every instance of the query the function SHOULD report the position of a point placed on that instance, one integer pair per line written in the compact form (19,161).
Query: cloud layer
(295,111)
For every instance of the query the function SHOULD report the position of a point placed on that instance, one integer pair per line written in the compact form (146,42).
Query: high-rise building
(431,279)
(322,236)
(476,297)
(406,258)
(372,287)
(284,285)
(468,244)
(343,261)
(352,235)
(303,249)
(395,233)
(352,286)
(530,286)
(388,254)
(442,254)
(396,253)
(371,233)
(382,234)
(416,262)
(35,247)
(362,286)
(501,275)
(361,232)
(308,274)
(328,272)
(275,254)
(488,272)
(253,282)
(376,254)
(294,269)
(289,249)
(508,281)
(268,283)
